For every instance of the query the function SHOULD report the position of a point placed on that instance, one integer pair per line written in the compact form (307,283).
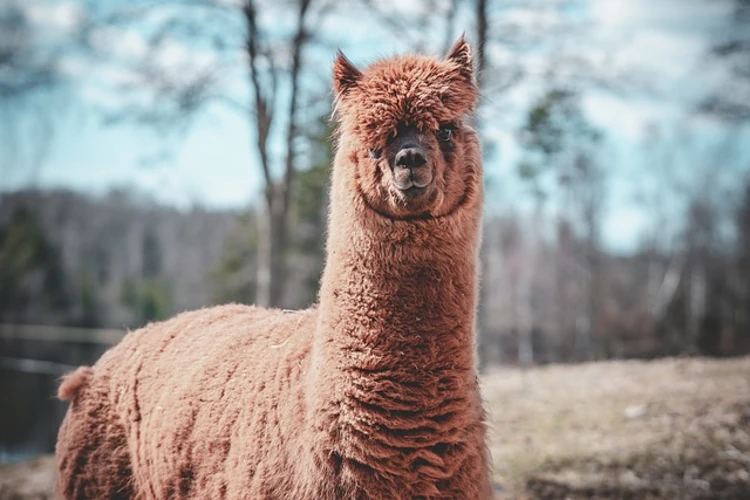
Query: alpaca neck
(397,297)
(395,302)
(394,344)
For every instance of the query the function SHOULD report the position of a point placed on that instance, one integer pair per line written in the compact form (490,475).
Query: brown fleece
(371,395)
(73,381)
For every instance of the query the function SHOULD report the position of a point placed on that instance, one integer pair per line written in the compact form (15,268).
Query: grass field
(671,429)
(667,429)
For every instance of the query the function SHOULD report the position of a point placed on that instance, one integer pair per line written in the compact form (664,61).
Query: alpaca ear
(460,54)
(345,75)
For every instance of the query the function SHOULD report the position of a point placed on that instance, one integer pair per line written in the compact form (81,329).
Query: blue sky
(213,164)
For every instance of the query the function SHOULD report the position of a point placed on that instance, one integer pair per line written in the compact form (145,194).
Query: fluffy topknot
(407,90)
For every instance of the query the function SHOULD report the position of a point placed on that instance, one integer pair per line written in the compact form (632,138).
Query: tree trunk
(696,307)
(271,268)
(526,304)
(483,334)
(482,29)
(273,223)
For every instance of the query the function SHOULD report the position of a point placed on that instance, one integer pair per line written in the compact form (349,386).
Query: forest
(120,261)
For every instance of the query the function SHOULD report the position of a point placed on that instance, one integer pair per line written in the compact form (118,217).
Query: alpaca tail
(74,382)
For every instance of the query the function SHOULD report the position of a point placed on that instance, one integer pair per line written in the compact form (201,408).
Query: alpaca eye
(444,133)
(375,153)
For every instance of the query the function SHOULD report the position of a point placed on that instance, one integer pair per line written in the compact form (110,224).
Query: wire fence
(47,333)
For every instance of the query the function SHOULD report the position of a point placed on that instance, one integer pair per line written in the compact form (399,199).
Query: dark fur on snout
(410,158)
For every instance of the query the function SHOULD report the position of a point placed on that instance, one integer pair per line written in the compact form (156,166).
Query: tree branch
(298,44)
(263,112)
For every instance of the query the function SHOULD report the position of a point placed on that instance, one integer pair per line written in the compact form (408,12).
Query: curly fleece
(371,395)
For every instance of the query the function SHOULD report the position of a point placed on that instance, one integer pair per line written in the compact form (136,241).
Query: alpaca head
(411,152)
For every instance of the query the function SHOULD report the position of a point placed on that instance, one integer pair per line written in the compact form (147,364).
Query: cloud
(665,34)
(100,97)
(172,54)
(74,67)
(408,8)
(662,46)
(622,227)
(626,119)
(665,15)
(229,3)
(64,16)
(119,42)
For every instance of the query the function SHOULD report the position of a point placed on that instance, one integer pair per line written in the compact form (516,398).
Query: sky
(213,165)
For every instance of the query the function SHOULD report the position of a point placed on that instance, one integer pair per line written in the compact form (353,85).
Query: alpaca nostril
(410,157)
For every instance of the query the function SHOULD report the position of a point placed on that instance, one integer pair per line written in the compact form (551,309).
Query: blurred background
(163,155)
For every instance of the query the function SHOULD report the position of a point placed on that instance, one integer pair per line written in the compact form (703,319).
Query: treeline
(555,289)
(549,304)
(122,260)
(115,261)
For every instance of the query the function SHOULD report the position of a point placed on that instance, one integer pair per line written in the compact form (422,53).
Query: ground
(667,429)
(32,480)
(676,428)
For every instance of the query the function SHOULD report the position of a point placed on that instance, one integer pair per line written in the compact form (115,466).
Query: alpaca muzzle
(411,171)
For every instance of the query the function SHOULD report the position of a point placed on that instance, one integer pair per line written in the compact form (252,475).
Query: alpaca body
(186,408)
(179,424)
(371,395)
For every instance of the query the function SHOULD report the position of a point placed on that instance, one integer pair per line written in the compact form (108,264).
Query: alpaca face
(403,119)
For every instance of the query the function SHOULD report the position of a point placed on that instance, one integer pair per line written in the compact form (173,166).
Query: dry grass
(663,429)
(668,429)
(32,480)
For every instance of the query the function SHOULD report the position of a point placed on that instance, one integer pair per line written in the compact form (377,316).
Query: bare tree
(229,43)
(731,101)
(482,28)
(31,84)
(271,263)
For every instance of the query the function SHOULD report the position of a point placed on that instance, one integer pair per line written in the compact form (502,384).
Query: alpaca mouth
(410,184)
(413,191)
(413,200)
(408,180)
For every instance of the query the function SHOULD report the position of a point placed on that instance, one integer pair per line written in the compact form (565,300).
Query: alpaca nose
(410,171)
(410,157)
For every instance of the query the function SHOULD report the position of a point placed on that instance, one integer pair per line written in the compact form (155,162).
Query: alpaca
(373,394)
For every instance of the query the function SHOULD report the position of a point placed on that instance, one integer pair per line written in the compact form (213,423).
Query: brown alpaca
(372,395)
